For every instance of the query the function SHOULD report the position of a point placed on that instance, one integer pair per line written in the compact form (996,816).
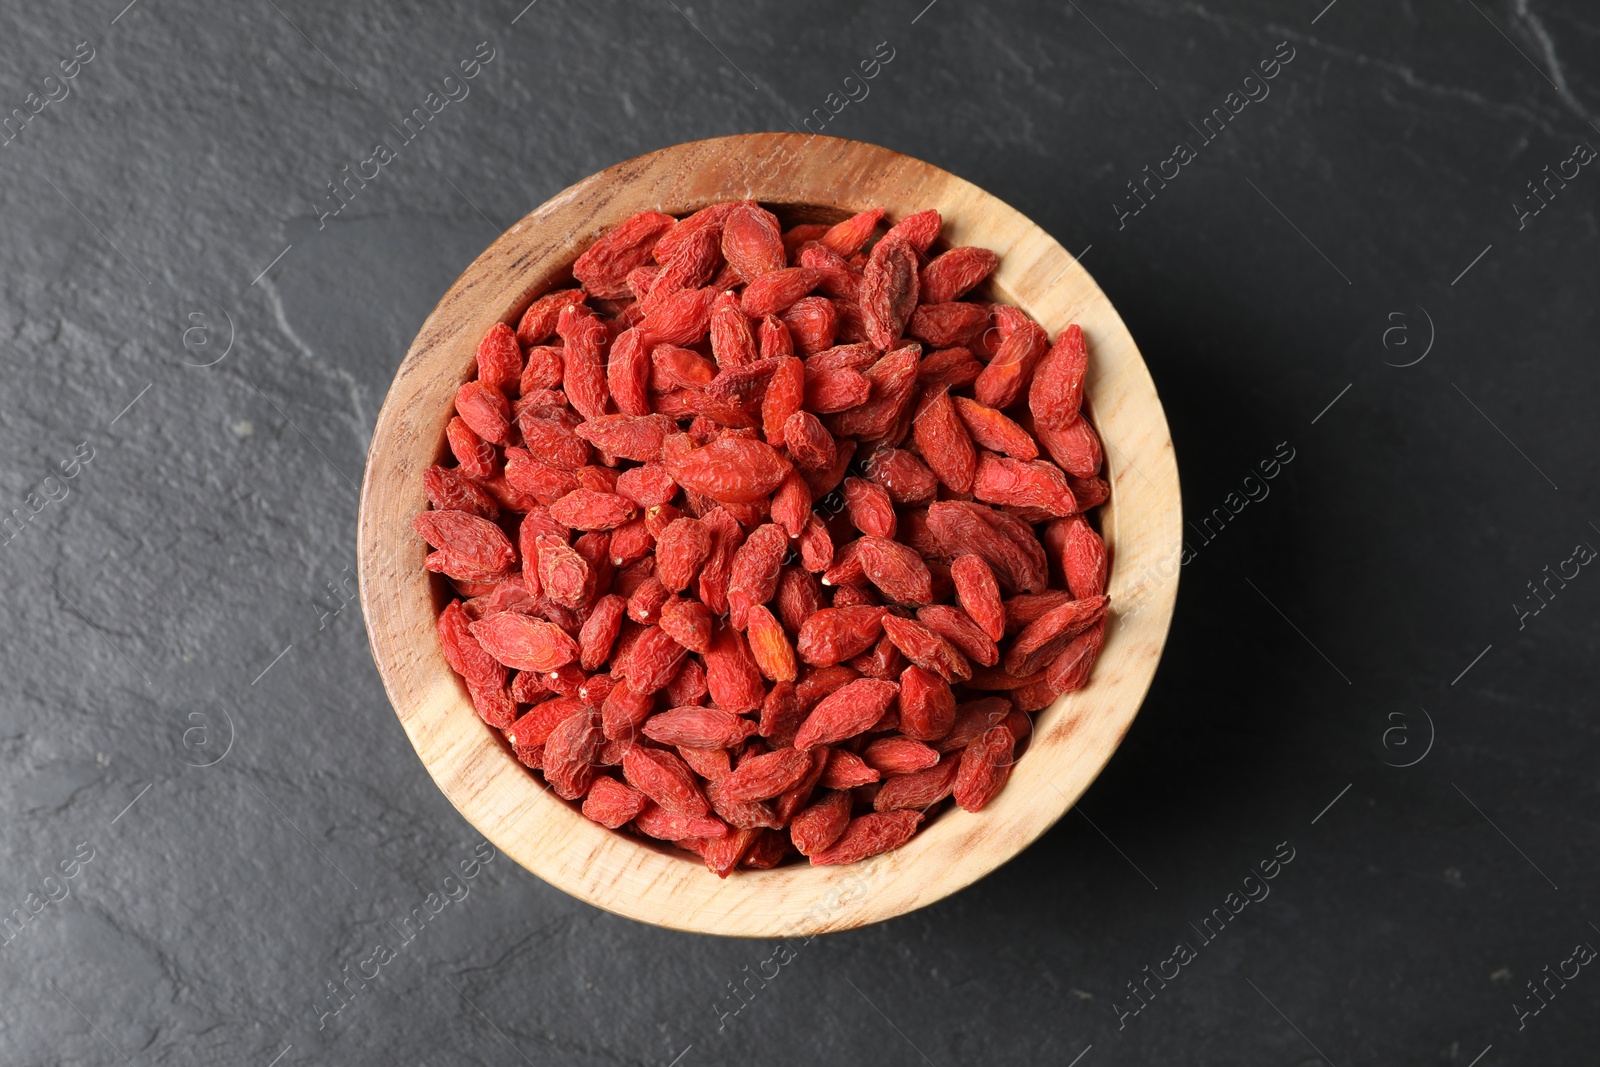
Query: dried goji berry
(586,509)
(821,824)
(1043,638)
(948,276)
(950,368)
(612,804)
(688,686)
(569,754)
(523,642)
(1023,484)
(736,469)
(869,835)
(583,370)
(851,236)
(776,290)
(600,631)
(710,217)
(896,569)
(952,325)
(476,456)
(751,242)
(927,649)
(920,789)
(769,645)
(810,444)
(553,440)
(470,538)
(680,318)
(666,779)
(463,652)
(485,411)
(565,576)
(846,770)
(833,635)
(893,381)
(539,321)
(731,673)
(726,537)
(992,430)
(835,390)
(1021,344)
(500,359)
(957,627)
(692,264)
(753,575)
(449,489)
(985,766)
(869,506)
(919,230)
(964,527)
(1080,554)
(624,710)
(766,776)
(781,715)
(1070,669)
(603,268)
(1075,447)
(653,660)
(979,594)
(846,711)
(812,322)
(898,755)
(785,393)
(645,602)
(773,339)
(1056,392)
(698,727)
(656,821)
(906,478)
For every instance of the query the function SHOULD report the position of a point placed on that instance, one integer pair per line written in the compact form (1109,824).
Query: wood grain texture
(801,177)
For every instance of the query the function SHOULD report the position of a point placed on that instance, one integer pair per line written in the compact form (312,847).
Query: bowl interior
(801,179)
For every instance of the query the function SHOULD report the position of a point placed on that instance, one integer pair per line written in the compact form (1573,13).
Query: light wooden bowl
(804,179)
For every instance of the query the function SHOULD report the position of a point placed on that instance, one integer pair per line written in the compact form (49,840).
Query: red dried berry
(985,766)
(485,411)
(776,290)
(1056,393)
(500,359)
(950,275)
(470,538)
(731,469)
(979,594)
(523,642)
(869,835)
(731,673)
(666,779)
(992,430)
(766,776)
(769,645)
(751,242)
(603,268)
(612,804)
(698,727)
(846,711)
(449,489)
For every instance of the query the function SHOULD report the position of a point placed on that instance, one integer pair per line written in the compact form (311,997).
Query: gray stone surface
(192,726)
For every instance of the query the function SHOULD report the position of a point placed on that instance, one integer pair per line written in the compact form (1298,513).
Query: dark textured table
(1356,821)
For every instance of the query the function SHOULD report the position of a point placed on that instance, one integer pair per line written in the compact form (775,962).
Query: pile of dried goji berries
(769,542)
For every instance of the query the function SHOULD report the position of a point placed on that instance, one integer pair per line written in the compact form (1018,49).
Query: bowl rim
(1073,738)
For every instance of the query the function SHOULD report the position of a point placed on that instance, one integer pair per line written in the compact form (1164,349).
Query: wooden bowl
(803,179)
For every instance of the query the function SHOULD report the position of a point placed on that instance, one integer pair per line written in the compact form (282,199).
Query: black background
(1363,615)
